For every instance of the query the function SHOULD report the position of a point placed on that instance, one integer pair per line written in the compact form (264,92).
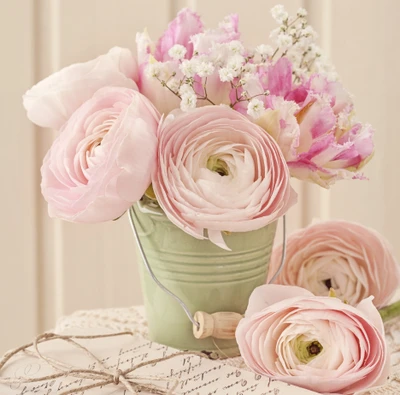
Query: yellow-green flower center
(305,351)
(217,165)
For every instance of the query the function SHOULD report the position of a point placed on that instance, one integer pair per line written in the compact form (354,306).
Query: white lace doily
(133,319)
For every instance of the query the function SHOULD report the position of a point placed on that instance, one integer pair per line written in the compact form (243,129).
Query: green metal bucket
(206,277)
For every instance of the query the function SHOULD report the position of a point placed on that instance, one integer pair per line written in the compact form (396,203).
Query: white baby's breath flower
(186,89)
(189,67)
(310,32)
(154,69)
(246,77)
(275,34)
(301,12)
(226,75)
(204,69)
(173,84)
(284,41)
(249,68)
(264,50)
(279,13)
(177,52)
(236,47)
(255,108)
(235,64)
(188,101)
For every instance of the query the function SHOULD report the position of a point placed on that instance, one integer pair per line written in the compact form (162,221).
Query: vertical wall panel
(18,274)
(367,60)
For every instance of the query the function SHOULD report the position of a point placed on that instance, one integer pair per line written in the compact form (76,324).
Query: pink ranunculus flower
(218,171)
(355,261)
(53,100)
(315,342)
(102,160)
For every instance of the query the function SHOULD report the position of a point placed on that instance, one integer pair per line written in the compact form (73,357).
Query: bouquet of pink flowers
(215,128)
(212,131)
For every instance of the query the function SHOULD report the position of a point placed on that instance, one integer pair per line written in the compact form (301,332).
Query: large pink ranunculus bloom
(354,260)
(315,342)
(53,100)
(217,171)
(187,30)
(326,144)
(102,160)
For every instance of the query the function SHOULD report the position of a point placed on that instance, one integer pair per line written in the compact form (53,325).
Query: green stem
(391,311)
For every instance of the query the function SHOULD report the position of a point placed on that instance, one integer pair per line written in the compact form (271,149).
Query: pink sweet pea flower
(356,261)
(102,160)
(218,171)
(52,101)
(314,342)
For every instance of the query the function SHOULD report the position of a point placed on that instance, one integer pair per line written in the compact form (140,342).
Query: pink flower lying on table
(356,261)
(318,343)
(53,100)
(101,162)
(217,171)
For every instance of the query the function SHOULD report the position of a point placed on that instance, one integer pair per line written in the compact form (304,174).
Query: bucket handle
(198,328)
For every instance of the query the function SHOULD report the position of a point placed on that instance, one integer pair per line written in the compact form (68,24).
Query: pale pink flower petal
(52,101)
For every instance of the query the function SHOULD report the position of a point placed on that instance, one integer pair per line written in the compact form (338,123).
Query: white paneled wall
(49,268)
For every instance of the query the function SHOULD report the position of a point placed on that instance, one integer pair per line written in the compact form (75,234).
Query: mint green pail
(206,277)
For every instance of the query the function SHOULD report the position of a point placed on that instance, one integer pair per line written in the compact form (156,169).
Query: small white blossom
(204,69)
(255,108)
(279,13)
(236,47)
(301,12)
(246,78)
(284,41)
(154,69)
(177,52)
(310,32)
(189,67)
(186,89)
(173,84)
(275,34)
(264,50)
(249,68)
(235,64)
(226,75)
(188,101)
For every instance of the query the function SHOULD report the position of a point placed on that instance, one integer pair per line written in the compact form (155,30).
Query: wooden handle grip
(221,325)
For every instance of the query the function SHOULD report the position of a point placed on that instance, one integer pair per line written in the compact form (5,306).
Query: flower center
(314,348)
(306,351)
(328,283)
(217,165)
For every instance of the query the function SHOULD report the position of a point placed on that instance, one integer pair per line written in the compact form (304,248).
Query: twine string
(103,377)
